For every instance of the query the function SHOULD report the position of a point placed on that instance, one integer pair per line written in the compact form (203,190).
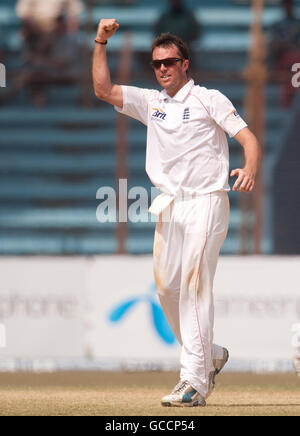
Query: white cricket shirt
(187,149)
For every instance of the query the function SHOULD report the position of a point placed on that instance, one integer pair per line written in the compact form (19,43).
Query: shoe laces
(180,387)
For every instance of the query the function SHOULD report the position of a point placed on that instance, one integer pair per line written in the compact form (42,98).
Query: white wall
(56,313)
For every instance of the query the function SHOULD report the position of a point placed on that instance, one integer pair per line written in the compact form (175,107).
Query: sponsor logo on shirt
(235,113)
(159,114)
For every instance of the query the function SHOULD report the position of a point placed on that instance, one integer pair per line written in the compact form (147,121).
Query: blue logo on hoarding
(157,316)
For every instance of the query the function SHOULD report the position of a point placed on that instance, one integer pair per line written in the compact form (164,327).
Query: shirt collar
(181,94)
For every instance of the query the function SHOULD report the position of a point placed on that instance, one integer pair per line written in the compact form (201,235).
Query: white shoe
(219,365)
(183,395)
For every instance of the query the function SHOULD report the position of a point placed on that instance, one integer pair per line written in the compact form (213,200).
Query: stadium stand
(53,160)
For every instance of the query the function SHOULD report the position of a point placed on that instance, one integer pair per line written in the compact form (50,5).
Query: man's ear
(186,64)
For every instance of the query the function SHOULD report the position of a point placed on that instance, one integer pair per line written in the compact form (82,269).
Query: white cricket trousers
(186,251)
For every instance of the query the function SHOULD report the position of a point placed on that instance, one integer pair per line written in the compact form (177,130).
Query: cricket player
(187,159)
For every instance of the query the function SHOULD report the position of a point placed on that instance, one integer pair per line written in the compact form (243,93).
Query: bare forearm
(103,87)
(101,73)
(252,154)
(247,175)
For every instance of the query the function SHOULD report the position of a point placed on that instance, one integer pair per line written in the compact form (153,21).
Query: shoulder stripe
(193,95)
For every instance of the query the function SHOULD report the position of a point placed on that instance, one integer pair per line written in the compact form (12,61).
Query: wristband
(100,42)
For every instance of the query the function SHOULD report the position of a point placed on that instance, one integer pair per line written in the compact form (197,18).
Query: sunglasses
(169,62)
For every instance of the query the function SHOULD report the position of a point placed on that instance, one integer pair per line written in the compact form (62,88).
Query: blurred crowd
(50,45)
(51,41)
(179,20)
(52,52)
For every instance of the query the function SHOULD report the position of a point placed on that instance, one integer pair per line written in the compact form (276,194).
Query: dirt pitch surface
(138,394)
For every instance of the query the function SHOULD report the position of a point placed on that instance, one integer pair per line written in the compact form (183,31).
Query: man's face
(171,78)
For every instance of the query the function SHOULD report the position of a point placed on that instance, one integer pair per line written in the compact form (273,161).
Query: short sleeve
(136,102)
(224,113)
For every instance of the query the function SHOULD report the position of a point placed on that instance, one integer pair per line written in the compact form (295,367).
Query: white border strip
(54,365)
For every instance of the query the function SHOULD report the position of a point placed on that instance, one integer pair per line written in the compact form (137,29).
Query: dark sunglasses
(169,62)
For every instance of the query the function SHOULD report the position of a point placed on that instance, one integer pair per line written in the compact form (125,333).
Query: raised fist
(107,28)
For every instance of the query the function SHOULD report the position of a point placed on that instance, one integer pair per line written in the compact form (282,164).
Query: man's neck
(171,93)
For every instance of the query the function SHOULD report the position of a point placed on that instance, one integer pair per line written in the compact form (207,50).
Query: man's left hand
(245,181)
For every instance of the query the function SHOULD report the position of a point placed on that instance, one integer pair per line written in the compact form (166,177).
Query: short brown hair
(167,39)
